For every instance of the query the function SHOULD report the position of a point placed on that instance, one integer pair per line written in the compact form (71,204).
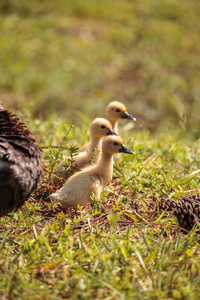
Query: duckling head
(114,144)
(101,127)
(116,111)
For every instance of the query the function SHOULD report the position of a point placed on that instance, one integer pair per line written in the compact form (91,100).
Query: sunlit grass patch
(119,247)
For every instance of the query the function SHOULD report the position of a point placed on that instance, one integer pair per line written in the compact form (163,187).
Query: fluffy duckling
(91,151)
(20,162)
(81,186)
(116,111)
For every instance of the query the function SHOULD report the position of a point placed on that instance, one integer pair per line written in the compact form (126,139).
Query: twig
(61,146)
(54,147)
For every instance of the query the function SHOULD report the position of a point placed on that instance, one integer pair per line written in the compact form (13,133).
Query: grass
(62,62)
(119,248)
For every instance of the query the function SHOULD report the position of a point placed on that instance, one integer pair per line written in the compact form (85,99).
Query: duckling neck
(114,125)
(105,167)
(95,142)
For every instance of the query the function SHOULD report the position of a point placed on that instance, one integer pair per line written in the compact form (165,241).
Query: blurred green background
(61,57)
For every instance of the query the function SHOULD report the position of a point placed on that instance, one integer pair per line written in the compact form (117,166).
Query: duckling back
(79,161)
(20,162)
(78,189)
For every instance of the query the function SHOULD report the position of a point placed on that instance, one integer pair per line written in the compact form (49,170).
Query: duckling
(91,151)
(116,111)
(20,162)
(80,187)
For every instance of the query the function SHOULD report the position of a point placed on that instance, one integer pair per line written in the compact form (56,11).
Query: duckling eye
(117,110)
(103,127)
(115,144)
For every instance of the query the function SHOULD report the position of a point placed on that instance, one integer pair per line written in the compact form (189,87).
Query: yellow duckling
(91,151)
(116,111)
(80,187)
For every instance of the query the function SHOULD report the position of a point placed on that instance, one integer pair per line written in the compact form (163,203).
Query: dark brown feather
(20,162)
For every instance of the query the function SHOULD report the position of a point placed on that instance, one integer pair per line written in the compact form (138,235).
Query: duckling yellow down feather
(91,151)
(80,187)
(116,111)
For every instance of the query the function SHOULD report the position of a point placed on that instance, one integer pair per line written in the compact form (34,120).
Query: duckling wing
(98,185)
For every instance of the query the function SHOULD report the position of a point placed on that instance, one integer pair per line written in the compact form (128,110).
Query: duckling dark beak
(111,132)
(124,149)
(126,115)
